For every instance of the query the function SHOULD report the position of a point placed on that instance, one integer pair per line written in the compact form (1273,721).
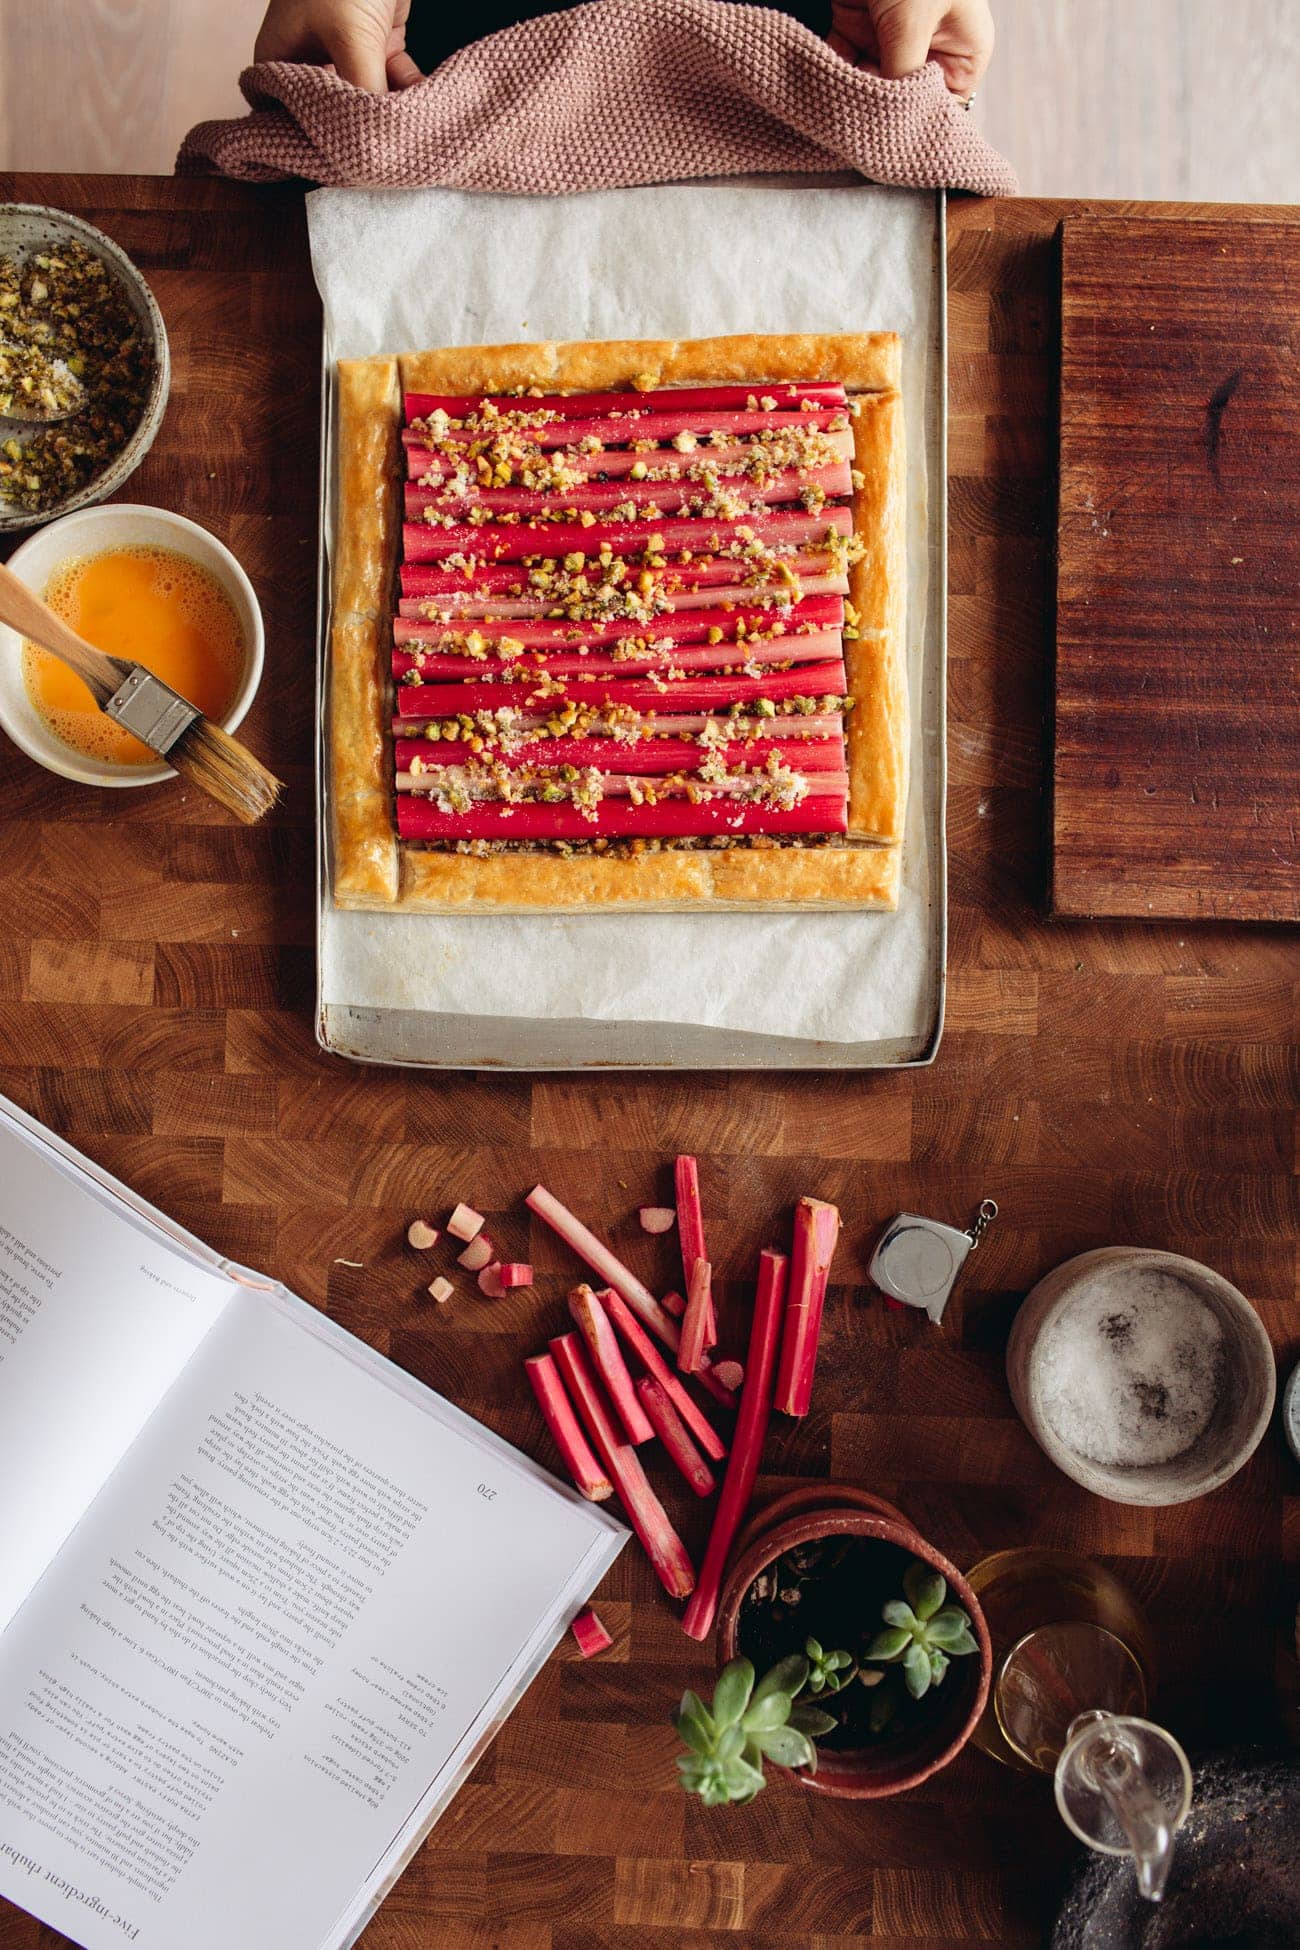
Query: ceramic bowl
(25,227)
(843,1510)
(93,531)
(1245,1395)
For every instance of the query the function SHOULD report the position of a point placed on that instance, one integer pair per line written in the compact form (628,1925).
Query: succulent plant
(922,1633)
(752,1722)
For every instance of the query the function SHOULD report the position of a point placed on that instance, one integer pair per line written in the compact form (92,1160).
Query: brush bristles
(217,764)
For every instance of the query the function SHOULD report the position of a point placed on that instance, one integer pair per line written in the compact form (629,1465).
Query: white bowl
(28,227)
(94,531)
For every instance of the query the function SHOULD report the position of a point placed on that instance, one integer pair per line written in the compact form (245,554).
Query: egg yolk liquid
(149,606)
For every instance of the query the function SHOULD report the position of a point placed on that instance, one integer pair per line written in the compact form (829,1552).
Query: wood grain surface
(1177,768)
(1105,1083)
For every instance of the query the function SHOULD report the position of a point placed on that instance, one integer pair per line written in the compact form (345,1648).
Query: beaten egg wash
(151,607)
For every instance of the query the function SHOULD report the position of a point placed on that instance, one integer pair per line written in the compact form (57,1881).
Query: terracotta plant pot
(842,1510)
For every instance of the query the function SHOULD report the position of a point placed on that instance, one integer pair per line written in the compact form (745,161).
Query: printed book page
(98,1316)
(269,1647)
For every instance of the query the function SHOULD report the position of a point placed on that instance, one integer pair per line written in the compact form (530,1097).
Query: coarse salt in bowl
(1145,1376)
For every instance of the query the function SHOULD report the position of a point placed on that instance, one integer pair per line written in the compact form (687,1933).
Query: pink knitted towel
(603,96)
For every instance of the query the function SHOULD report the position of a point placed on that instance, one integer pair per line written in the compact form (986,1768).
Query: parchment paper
(400,269)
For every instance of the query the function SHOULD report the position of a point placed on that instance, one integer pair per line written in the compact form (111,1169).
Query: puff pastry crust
(371,869)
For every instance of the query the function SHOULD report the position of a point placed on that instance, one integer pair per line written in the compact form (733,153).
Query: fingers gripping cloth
(607,96)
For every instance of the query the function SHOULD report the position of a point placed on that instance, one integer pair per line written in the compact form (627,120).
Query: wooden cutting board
(1177,764)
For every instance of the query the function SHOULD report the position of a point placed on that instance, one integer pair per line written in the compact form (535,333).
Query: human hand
(896,37)
(365,39)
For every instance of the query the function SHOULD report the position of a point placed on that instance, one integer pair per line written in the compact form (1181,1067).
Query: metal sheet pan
(435,1039)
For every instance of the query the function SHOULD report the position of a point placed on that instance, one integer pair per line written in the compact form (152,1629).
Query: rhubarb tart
(620,625)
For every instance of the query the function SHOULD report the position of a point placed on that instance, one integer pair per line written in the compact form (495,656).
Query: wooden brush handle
(22,609)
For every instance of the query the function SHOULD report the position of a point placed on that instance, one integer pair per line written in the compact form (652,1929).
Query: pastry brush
(142,704)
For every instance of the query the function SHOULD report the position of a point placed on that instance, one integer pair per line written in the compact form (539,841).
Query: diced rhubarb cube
(465,1223)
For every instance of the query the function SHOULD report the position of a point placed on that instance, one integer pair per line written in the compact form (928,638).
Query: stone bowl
(27,227)
(1245,1393)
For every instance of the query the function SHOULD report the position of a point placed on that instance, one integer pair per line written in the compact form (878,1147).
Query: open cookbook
(263,1597)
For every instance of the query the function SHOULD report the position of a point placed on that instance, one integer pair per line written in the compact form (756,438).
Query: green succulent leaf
(889,1645)
(730,1742)
(731,1694)
(743,1779)
(924,1589)
(839,1661)
(899,1615)
(938,1666)
(967,1642)
(812,1721)
(787,1676)
(916,1670)
(948,1628)
(816,1657)
(695,1725)
(787,1747)
(763,1715)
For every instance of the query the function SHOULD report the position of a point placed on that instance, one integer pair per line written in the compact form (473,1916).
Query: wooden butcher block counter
(1104,1082)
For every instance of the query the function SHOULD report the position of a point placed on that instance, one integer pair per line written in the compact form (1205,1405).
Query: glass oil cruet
(1072,1676)
(1124,1787)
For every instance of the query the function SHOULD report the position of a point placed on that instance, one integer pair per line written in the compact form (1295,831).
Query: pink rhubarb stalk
(591,1635)
(808,647)
(420,819)
(515,1272)
(429,581)
(691,1348)
(620,432)
(786,395)
(557,1410)
(616,463)
(787,484)
(747,1445)
(635,693)
(415,626)
(649,758)
(606,1356)
(594,1253)
(686,1178)
(674,1435)
(549,540)
(635,1337)
(816,1231)
(644,1511)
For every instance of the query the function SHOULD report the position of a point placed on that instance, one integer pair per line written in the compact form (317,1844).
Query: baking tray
(437,1039)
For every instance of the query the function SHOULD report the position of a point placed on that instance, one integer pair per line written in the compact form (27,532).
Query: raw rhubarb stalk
(606,1357)
(805,647)
(465,1223)
(590,1634)
(591,1479)
(617,463)
(648,758)
(515,1272)
(420,819)
(441,1290)
(477,1254)
(549,540)
(594,1253)
(747,1444)
(489,1281)
(686,1177)
(675,1436)
(414,625)
(816,1230)
(785,394)
(642,1507)
(674,1304)
(787,484)
(421,1236)
(428,581)
(635,1337)
(635,694)
(691,1347)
